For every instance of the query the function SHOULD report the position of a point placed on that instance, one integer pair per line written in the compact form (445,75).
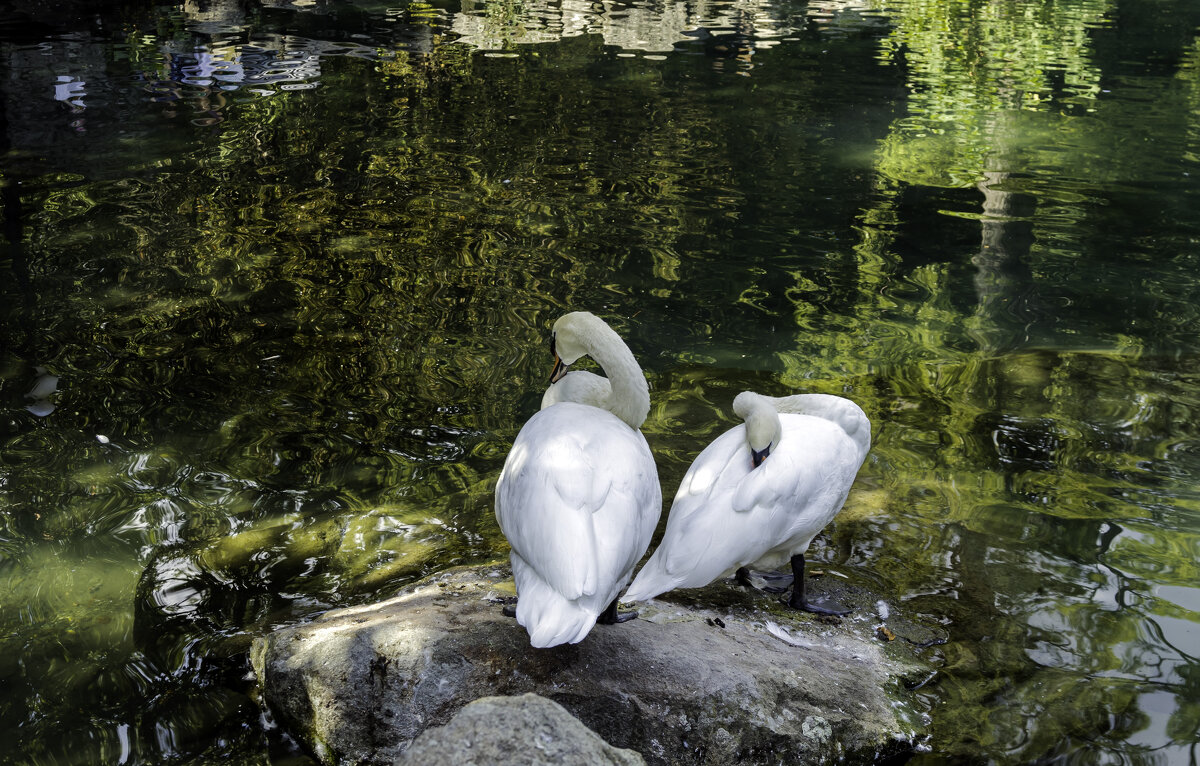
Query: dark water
(278,279)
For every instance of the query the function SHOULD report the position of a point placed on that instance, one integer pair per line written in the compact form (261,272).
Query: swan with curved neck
(579,498)
(759,493)
(624,392)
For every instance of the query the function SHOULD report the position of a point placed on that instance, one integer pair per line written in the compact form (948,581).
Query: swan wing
(697,525)
(717,469)
(815,457)
(805,483)
(780,482)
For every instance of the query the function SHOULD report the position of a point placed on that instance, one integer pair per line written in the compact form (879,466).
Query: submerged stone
(684,684)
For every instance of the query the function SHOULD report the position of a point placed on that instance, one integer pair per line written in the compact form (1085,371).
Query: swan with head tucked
(579,498)
(759,493)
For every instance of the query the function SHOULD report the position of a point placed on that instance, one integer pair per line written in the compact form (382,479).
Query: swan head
(763,430)
(573,336)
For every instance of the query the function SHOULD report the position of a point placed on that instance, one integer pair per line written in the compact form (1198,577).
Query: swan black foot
(786,579)
(799,598)
(610,616)
(510,606)
(742,575)
(824,606)
(776,576)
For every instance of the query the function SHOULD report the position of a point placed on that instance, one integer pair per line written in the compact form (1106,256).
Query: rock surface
(528,730)
(682,684)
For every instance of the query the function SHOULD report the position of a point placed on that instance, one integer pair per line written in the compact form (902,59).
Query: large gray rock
(514,731)
(681,684)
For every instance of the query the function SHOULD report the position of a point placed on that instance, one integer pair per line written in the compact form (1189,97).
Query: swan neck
(763,429)
(629,398)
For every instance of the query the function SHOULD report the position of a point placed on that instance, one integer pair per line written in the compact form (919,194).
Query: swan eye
(552,351)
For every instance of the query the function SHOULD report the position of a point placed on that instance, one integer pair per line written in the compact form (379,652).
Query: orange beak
(560,370)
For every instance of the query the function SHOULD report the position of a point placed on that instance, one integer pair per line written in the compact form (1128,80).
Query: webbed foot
(799,598)
(610,616)
(776,576)
(821,606)
(510,606)
(742,575)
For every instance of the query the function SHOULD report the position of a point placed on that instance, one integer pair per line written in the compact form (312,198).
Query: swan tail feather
(651,581)
(550,618)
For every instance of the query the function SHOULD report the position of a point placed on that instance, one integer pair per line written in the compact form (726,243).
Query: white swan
(759,494)
(579,498)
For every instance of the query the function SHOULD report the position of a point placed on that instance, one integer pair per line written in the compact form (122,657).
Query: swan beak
(759,456)
(560,370)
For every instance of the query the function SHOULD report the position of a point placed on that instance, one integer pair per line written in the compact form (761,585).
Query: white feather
(578,386)
(728,514)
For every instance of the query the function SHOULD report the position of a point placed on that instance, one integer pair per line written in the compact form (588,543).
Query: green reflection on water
(293,337)
(977,74)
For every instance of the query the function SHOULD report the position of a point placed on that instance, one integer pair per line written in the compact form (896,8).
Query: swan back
(581,333)
(842,412)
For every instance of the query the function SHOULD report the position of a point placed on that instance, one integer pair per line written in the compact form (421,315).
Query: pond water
(278,279)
